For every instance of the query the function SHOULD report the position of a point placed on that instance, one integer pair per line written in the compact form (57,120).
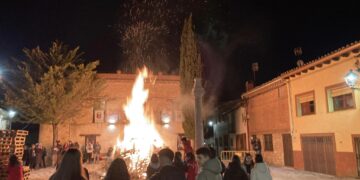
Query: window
(340,98)
(268,142)
(241,142)
(305,104)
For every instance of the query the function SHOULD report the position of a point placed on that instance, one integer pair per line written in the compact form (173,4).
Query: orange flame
(140,135)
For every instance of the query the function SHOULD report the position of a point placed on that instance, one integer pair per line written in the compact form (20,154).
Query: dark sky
(264,33)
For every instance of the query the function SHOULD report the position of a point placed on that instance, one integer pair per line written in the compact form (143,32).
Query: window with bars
(340,98)
(305,104)
(268,141)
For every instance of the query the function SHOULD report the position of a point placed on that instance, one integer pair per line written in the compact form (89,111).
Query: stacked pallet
(11,142)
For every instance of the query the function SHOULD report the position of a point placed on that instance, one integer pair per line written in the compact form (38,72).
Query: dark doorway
(357,152)
(90,138)
(288,150)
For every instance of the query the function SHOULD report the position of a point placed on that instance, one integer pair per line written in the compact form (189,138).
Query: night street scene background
(118,81)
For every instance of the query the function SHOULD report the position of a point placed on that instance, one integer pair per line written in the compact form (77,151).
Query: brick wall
(275,157)
(269,111)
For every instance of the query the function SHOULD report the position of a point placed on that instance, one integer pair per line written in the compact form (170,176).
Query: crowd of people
(35,156)
(203,164)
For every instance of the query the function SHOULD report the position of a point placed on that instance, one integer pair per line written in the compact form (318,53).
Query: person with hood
(117,170)
(210,167)
(235,171)
(191,166)
(261,171)
(167,170)
(178,162)
(214,154)
(153,166)
(71,167)
(248,164)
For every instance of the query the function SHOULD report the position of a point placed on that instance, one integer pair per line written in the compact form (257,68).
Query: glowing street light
(11,114)
(351,79)
(165,119)
(210,123)
(166,126)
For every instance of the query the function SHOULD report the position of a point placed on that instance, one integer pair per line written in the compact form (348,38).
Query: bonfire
(141,138)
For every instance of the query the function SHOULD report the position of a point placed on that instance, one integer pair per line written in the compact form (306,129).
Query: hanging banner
(99,116)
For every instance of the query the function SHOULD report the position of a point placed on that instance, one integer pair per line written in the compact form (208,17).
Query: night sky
(264,33)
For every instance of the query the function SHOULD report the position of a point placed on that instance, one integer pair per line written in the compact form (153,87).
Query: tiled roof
(311,65)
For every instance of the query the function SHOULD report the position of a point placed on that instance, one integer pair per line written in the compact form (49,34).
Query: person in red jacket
(191,166)
(15,169)
(187,145)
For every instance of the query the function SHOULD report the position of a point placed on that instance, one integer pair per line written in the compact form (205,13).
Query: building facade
(267,110)
(311,112)
(94,124)
(326,114)
(226,127)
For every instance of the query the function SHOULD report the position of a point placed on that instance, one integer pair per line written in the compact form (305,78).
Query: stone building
(97,123)
(268,119)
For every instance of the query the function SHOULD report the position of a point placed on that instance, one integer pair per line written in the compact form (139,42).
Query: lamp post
(351,78)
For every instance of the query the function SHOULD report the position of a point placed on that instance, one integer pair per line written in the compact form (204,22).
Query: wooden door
(288,150)
(319,153)
(357,152)
(90,138)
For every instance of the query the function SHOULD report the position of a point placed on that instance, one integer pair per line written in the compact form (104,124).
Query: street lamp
(165,118)
(112,122)
(210,123)
(11,114)
(351,77)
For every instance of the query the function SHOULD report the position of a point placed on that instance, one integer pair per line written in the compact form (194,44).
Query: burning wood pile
(12,142)
(141,138)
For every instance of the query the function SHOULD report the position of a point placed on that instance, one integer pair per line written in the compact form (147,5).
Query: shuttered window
(340,98)
(305,104)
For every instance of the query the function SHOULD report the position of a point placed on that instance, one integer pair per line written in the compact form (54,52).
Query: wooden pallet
(11,142)
(26,172)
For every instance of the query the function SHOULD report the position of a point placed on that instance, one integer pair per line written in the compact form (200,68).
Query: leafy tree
(190,68)
(51,87)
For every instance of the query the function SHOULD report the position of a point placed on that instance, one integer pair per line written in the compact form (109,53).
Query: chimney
(249,85)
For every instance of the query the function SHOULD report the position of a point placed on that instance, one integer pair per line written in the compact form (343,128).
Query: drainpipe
(288,85)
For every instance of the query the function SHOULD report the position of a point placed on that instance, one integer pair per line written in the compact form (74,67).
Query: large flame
(140,134)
